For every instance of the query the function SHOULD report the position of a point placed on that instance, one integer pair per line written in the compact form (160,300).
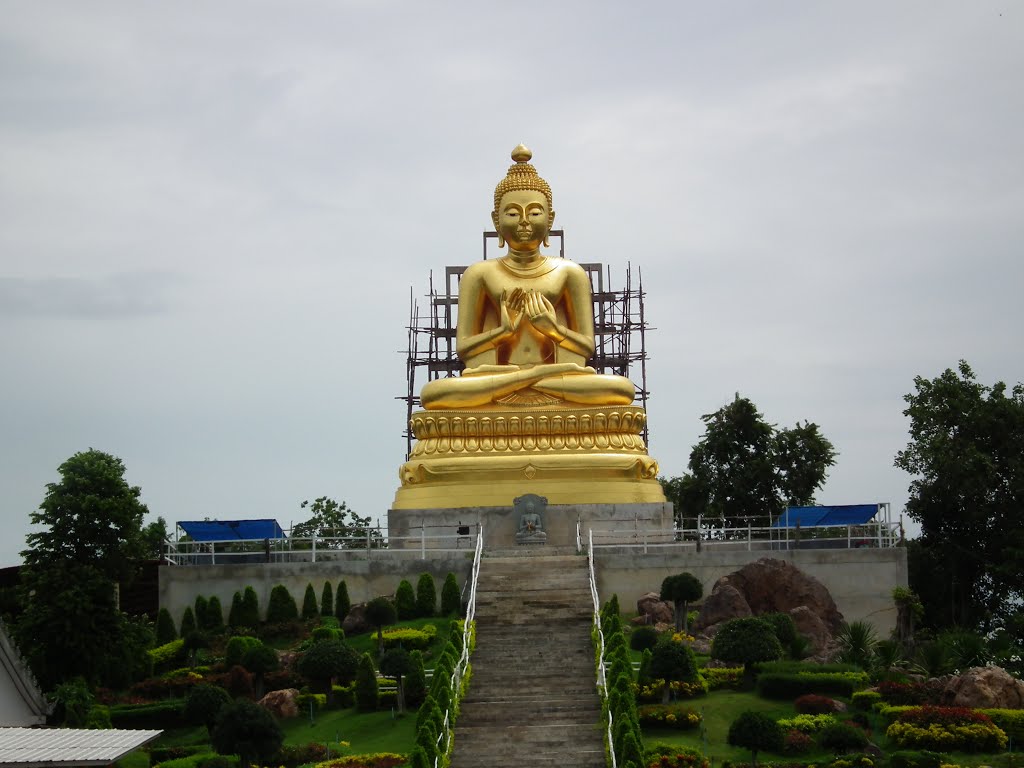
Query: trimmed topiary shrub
(213,622)
(342,605)
(643,638)
(405,601)
(756,731)
(165,630)
(789,686)
(249,616)
(327,600)
(416,680)
(188,622)
(451,598)
(681,589)
(235,610)
(309,606)
(366,685)
(203,703)
(842,738)
(813,704)
(426,596)
(248,730)
(326,661)
(746,641)
(916,759)
(783,627)
(236,649)
(199,611)
(282,606)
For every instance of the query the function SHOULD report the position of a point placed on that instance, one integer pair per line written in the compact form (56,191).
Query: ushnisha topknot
(520,176)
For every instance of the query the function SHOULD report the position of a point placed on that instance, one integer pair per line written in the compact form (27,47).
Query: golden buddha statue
(527,410)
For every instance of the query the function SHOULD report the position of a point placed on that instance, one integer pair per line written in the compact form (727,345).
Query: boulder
(281,704)
(355,623)
(984,688)
(654,610)
(725,602)
(810,625)
(766,586)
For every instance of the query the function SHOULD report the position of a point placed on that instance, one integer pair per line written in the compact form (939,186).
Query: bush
(235,610)
(946,729)
(426,596)
(342,605)
(203,703)
(366,685)
(675,716)
(904,694)
(786,686)
(673,661)
(294,755)
(405,601)
(863,700)
(796,743)
(236,649)
(672,756)
(282,606)
(1011,721)
(165,630)
(410,639)
(808,723)
(812,704)
(167,656)
(915,759)
(309,606)
(327,660)
(314,702)
(451,598)
(783,627)
(319,634)
(213,620)
(199,611)
(755,731)
(239,683)
(327,600)
(249,616)
(248,730)
(260,659)
(723,677)
(842,738)
(165,714)
(188,622)
(416,680)
(643,638)
(746,641)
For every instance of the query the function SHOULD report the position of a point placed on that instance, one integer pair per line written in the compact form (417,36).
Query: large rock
(355,623)
(984,688)
(725,602)
(810,625)
(654,610)
(281,704)
(766,586)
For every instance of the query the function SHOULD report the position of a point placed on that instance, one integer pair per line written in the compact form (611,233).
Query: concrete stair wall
(532,700)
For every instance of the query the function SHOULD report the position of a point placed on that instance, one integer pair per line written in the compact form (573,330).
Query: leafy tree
(74,700)
(426,596)
(246,729)
(309,607)
(165,629)
(451,598)
(154,538)
(366,685)
(415,680)
(88,539)
(203,703)
(249,616)
(331,520)
(326,661)
(380,612)
(342,604)
(746,641)
(966,453)
(193,642)
(327,600)
(281,607)
(672,661)
(260,659)
(396,663)
(234,612)
(199,608)
(213,622)
(405,601)
(236,649)
(188,621)
(755,731)
(784,628)
(681,589)
(743,467)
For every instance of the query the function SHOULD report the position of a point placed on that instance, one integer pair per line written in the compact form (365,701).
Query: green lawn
(365,731)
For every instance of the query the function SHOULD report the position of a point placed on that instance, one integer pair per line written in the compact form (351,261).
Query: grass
(364,731)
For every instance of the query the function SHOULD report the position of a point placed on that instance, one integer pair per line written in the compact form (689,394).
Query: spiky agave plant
(857,641)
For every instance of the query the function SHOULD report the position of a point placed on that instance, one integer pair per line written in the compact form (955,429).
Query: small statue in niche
(531,524)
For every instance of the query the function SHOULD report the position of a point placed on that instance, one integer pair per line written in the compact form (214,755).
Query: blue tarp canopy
(224,530)
(810,517)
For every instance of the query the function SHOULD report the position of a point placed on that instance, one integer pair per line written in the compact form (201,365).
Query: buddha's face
(523,219)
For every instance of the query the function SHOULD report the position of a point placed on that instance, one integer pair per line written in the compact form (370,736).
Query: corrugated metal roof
(67,746)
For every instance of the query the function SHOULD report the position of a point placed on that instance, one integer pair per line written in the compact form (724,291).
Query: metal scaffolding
(620,330)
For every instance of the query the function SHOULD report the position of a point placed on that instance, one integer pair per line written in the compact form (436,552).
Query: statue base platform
(487,457)
(454,528)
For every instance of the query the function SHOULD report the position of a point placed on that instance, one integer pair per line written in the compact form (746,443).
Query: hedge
(1011,721)
(790,686)
(410,639)
(163,715)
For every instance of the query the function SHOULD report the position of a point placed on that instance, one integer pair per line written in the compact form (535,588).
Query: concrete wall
(860,580)
(364,578)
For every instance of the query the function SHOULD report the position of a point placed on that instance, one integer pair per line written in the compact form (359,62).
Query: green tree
(334,521)
(342,604)
(234,613)
(326,661)
(165,629)
(744,468)
(451,598)
(203,703)
(681,589)
(154,538)
(755,731)
(281,607)
(366,685)
(260,659)
(966,453)
(249,616)
(405,601)
(327,600)
(416,680)
(380,612)
(746,641)
(188,621)
(89,538)
(426,596)
(213,622)
(395,662)
(309,607)
(246,729)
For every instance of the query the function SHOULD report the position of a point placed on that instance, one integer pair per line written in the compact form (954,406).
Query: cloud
(114,296)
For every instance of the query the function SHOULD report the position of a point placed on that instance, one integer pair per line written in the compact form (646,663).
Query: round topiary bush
(642,638)
(746,641)
(755,731)
(282,606)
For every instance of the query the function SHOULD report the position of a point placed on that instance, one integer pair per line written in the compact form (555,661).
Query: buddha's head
(522,212)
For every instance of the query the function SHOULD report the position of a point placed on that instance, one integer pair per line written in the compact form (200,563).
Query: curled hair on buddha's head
(521,176)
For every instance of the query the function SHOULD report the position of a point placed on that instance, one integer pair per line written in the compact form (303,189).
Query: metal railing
(881,534)
(447,731)
(315,549)
(602,680)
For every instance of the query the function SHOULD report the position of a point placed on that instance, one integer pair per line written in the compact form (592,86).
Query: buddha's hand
(511,312)
(542,315)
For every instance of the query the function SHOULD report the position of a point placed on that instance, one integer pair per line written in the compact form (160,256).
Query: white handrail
(602,681)
(447,732)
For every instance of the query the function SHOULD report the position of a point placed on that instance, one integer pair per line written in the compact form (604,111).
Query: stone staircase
(532,699)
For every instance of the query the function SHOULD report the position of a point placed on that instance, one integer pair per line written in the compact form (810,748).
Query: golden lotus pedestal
(469,466)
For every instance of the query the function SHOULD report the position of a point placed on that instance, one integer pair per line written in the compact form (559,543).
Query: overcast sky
(212,213)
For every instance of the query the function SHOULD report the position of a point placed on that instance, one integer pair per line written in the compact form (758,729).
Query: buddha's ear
(551,219)
(494,220)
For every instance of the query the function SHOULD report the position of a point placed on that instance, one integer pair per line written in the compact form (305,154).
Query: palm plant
(933,659)
(857,642)
(888,659)
(968,649)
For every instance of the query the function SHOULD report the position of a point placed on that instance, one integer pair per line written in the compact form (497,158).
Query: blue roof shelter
(226,530)
(821,517)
